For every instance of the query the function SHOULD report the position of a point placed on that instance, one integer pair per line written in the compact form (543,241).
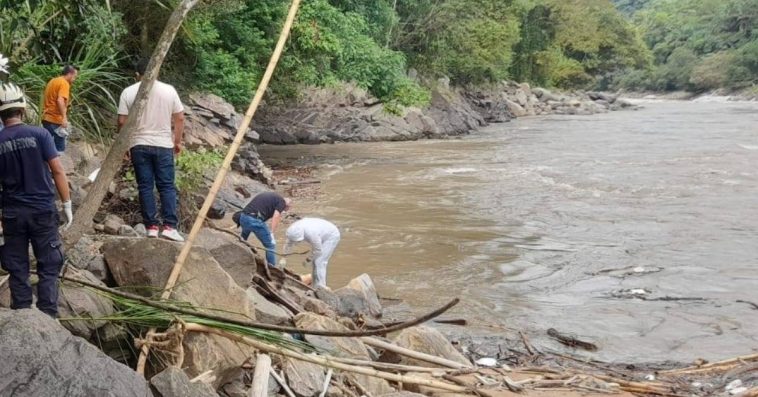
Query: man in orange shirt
(57,100)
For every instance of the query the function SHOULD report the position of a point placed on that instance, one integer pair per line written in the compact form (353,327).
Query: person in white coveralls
(323,236)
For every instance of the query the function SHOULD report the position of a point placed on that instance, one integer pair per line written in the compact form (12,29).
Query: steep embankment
(349,114)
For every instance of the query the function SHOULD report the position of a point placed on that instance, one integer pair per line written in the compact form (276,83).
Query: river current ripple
(636,230)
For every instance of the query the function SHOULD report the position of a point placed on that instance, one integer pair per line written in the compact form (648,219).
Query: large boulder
(234,257)
(359,297)
(341,347)
(515,109)
(203,283)
(76,300)
(428,340)
(41,358)
(268,312)
(305,379)
(173,382)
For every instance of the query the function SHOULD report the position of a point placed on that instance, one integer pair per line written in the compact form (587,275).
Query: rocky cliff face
(349,114)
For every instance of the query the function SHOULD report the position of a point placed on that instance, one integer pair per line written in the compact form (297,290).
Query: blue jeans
(154,167)
(60,142)
(260,229)
(22,226)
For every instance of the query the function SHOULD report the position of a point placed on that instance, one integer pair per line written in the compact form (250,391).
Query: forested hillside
(225,44)
(695,44)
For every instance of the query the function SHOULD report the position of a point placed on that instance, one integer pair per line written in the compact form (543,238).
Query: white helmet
(11,97)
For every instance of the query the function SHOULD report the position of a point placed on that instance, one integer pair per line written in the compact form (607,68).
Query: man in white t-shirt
(152,148)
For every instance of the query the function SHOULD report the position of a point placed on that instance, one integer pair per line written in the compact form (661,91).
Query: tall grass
(137,314)
(41,36)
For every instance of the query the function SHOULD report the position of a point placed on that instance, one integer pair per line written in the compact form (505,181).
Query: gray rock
(234,257)
(114,340)
(127,231)
(359,296)
(84,251)
(213,103)
(147,263)
(217,211)
(268,312)
(343,347)
(141,230)
(112,224)
(601,96)
(515,109)
(41,358)
(428,340)
(76,300)
(173,382)
(304,379)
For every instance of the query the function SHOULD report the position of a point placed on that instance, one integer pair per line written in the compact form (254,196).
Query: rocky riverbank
(350,114)
(95,345)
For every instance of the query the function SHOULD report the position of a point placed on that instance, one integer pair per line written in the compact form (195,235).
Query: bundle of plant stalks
(133,313)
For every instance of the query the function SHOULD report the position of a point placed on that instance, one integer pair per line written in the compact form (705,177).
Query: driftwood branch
(717,366)
(264,326)
(326,361)
(260,376)
(570,340)
(413,354)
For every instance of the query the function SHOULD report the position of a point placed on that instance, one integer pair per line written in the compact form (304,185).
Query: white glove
(273,239)
(282,263)
(69,214)
(4,64)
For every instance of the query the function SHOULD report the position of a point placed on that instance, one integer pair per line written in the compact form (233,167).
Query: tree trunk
(110,167)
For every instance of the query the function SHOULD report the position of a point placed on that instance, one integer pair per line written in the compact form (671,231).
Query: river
(635,229)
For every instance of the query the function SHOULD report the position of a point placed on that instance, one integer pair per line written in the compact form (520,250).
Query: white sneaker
(171,234)
(152,231)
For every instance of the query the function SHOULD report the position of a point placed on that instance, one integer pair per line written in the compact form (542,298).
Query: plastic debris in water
(639,269)
(733,385)
(486,362)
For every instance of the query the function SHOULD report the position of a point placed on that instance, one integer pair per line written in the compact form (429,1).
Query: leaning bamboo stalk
(719,365)
(260,376)
(413,354)
(112,163)
(241,131)
(326,361)
(392,367)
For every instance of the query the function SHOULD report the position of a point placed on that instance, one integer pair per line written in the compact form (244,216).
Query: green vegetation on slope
(696,44)
(225,45)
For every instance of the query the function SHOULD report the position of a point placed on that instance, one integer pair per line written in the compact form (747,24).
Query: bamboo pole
(177,269)
(112,163)
(282,383)
(413,354)
(719,365)
(259,387)
(326,361)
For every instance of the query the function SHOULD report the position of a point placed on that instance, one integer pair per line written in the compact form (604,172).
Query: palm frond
(137,314)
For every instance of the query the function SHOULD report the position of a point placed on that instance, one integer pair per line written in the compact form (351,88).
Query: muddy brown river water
(636,230)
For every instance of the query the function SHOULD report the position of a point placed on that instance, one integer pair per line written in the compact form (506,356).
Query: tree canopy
(225,44)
